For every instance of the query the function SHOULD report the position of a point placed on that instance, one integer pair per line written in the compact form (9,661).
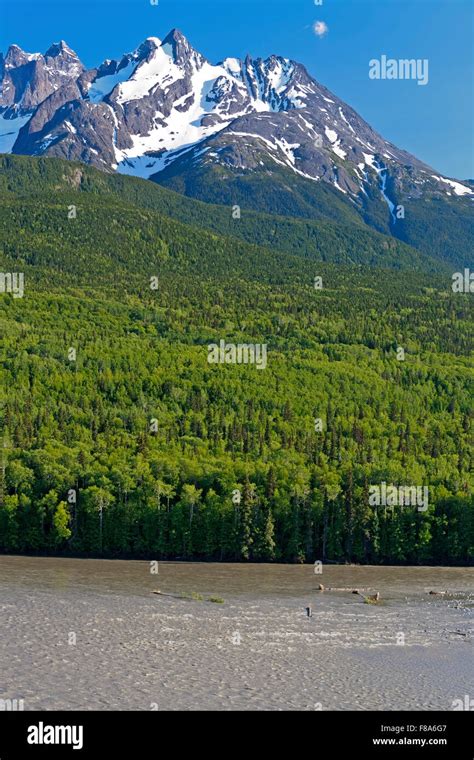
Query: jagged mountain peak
(176,35)
(154,64)
(13,50)
(60,48)
(27,80)
(154,40)
(147,47)
(16,56)
(182,50)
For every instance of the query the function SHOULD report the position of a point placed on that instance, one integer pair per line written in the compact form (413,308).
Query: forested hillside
(440,229)
(334,233)
(120,439)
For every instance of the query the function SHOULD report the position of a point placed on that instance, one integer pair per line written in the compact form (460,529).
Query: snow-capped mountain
(166,109)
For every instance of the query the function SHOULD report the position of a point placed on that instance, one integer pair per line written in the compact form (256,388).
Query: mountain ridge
(239,89)
(240,132)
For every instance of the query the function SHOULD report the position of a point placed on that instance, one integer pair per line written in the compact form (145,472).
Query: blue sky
(435,122)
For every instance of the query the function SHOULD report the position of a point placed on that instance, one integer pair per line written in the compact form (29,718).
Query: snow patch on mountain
(457,187)
(9,129)
(233,66)
(182,128)
(160,71)
(382,174)
(288,149)
(341,112)
(335,142)
(370,160)
(104,85)
(279,74)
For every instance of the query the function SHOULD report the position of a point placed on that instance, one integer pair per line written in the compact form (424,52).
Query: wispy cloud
(320,28)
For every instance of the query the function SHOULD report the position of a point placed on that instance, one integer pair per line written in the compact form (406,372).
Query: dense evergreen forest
(120,439)
(442,229)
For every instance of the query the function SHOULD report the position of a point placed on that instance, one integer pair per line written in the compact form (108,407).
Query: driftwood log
(343,588)
(368,598)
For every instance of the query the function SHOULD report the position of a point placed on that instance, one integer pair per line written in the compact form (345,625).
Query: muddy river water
(89,634)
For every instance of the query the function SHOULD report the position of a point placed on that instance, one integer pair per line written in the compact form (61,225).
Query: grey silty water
(89,634)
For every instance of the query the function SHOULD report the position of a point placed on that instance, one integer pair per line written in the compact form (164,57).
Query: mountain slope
(440,228)
(347,241)
(262,134)
(152,437)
